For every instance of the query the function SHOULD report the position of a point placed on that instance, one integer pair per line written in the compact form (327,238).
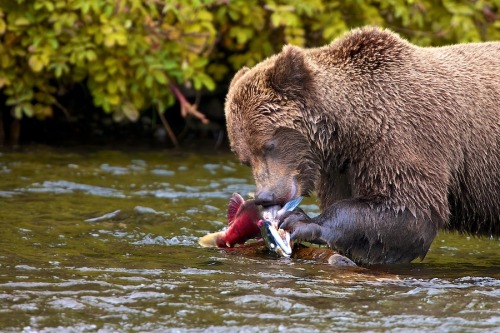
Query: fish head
(276,240)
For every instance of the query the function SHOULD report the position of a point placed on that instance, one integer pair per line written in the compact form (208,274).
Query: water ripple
(160,240)
(64,187)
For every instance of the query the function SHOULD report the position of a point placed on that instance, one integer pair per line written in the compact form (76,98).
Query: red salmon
(242,217)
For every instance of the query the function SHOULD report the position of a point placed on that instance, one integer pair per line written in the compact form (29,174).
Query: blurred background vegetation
(161,67)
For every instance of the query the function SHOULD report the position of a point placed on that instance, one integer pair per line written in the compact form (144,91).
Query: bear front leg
(367,232)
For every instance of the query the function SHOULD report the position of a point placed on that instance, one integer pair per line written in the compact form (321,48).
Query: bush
(133,54)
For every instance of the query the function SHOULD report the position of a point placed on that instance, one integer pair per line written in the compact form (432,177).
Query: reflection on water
(106,241)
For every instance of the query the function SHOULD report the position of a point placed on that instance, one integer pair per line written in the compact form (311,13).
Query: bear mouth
(270,199)
(269,204)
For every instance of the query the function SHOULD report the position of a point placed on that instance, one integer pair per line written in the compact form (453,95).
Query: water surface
(106,240)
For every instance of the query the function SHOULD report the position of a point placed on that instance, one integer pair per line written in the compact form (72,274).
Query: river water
(102,240)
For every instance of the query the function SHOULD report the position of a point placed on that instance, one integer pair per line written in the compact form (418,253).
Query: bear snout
(265,198)
(277,196)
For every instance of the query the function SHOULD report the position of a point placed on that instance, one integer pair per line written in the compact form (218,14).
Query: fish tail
(211,240)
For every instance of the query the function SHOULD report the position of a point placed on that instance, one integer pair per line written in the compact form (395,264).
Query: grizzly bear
(396,140)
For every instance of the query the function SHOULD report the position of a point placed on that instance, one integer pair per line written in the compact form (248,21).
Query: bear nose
(265,198)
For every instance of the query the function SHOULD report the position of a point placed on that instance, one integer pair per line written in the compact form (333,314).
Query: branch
(62,108)
(186,107)
(167,127)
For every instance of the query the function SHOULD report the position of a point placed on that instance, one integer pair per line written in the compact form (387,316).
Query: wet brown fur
(411,134)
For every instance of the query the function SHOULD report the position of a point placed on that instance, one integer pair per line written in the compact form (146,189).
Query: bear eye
(245,162)
(269,147)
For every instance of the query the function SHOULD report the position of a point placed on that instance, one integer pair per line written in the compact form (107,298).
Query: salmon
(242,219)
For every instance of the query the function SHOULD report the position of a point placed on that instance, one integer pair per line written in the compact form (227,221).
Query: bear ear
(290,74)
(238,75)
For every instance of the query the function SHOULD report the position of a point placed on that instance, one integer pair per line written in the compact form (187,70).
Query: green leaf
(459,8)
(138,100)
(120,38)
(160,77)
(85,7)
(202,79)
(113,99)
(140,72)
(90,55)
(109,40)
(130,112)
(49,6)
(170,64)
(18,112)
(28,109)
(148,81)
(101,77)
(233,14)
(21,21)
(199,62)
(3,26)
(23,109)
(58,71)
(36,63)
(276,19)
(112,87)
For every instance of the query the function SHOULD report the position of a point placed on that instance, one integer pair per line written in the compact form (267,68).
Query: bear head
(265,109)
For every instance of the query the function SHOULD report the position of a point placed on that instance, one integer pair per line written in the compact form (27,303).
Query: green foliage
(130,52)
(126,51)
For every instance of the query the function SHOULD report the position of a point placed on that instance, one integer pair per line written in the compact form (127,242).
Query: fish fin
(210,240)
(290,205)
(234,205)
